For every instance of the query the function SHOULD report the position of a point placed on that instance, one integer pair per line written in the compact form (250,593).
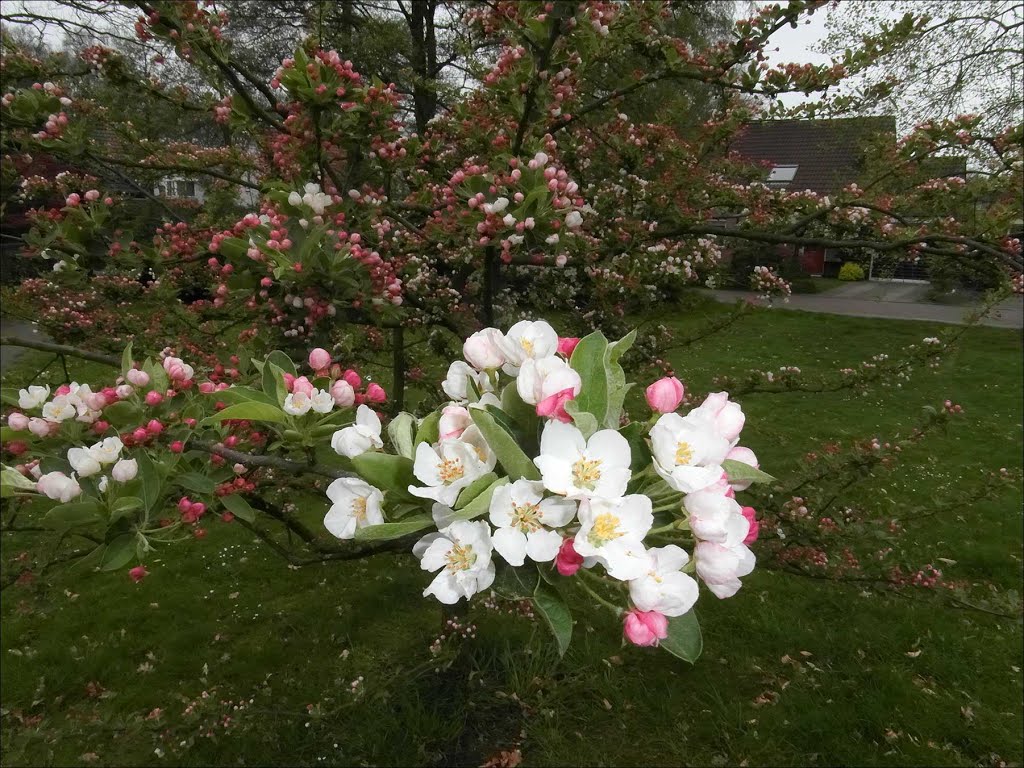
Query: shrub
(851,272)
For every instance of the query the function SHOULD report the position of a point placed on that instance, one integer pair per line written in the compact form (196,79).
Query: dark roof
(829,153)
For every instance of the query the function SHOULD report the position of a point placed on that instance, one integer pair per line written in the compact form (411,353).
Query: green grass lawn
(795,671)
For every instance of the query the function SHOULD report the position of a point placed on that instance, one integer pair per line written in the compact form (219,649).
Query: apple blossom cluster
(533,460)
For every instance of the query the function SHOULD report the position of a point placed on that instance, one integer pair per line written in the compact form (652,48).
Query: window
(182,188)
(781,175)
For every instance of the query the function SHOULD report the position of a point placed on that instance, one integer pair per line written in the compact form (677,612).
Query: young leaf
(739,472)
(118,553)
(73,514)
(511,457)
(481,503)
(149,475)
(474,489)
(282,361)
(251,411)
(556,614)
(193,481)
(239,507)
(12,481)
(387,531)
(684,639)
(126,359)
(386,472)
(400,430)
(428,431)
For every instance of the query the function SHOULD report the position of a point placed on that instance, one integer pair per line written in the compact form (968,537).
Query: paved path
(897,301)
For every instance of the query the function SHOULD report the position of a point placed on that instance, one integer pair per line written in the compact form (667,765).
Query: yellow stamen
(359,508)
(527,346)
(450,470)
(606,528)
(525,517)
(460,558)
(586,473)
(684,453)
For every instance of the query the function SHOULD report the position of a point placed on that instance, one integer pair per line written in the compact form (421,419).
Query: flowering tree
(332,223)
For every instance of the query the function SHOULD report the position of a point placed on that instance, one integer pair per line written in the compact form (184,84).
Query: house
(822,156)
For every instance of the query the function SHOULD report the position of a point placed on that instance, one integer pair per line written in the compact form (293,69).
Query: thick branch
(60,349)
(272,462)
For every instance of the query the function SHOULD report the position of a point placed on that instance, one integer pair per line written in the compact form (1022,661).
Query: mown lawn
(796,671)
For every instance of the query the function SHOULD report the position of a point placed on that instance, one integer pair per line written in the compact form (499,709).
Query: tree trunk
(424,61)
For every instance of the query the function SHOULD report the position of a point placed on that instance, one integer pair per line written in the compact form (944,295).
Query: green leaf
(739,472)
(119,552)
(617,386)
(684,639)
(251,411)
(122,413)
(273,383)
(474,489)
(387,531)
(9,396)
(282,361)
(233,395)
(588,360)
(511,457)
(193,481)
(73,514)
(239,507)
(149,475)
(514,583)
(429,429)
(400,430)
(556,613)
(122,507)
(12,481)
(585,422)
(522,414)
(126,359)
(482,503)
(386,472)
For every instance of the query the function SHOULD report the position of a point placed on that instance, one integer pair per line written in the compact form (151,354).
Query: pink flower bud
(140,435)
(375,394)
(567,344)
(352,378)
(138,573)
(554,407)
(154,427)
(755,528)
(343,394)
(17,421)
(154,398)
(665,394)
(110,393)
(303,386)
(123,391)
(289,381)
(184,504)
(63,389)
(177,446)
(645,627)
(137,378)
(568,561)
(319,359)
(92,195)
(207,387)
(99,427)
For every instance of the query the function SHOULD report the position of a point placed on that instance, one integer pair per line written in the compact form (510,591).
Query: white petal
(562,440)
(445,588)
(555,513)
(340,522)
(435,555)
(542,546)
(610,448)
(511,545)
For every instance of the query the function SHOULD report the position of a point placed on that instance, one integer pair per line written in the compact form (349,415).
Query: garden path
(897,301)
